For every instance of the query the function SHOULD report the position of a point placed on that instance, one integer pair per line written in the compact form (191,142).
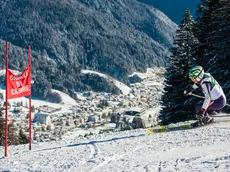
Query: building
(42,118)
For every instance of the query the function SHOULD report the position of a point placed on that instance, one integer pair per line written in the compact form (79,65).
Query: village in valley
(136,107)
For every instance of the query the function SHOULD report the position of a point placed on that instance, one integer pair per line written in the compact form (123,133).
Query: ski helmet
(196,73)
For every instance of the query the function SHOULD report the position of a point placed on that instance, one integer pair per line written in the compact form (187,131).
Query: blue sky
(174,9)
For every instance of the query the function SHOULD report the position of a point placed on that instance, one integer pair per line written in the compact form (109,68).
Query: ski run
(203,149)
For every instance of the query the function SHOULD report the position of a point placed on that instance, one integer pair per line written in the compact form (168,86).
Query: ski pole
(195,95)
(203,98)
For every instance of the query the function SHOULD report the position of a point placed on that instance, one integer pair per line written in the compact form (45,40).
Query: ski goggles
(195,79)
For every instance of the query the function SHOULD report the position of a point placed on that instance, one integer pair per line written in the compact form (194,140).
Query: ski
(184,126)
(167,128)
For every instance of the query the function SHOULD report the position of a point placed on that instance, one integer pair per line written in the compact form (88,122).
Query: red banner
(18,86)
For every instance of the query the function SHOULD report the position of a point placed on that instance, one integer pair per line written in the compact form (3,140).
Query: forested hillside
(114,37)
(204,41)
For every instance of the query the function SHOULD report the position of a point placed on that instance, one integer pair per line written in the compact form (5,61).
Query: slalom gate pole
(6,105)
(204,97)
(30,97)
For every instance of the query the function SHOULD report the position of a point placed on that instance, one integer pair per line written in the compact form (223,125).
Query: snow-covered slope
(203,149)
(66,103)
(66,99)
(124,88)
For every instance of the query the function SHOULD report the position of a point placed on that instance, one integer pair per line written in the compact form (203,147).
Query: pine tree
(22,137)
(33,108)
(12,134)
(2,128)
(173,107)
(219,44)
(202,29)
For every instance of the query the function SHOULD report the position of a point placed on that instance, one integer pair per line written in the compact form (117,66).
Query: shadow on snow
(93,142)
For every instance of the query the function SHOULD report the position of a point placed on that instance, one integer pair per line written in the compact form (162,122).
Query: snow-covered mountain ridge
(114,37)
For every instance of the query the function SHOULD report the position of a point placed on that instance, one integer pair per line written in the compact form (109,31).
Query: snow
(65,105)
(124,88)
(202,149)
(149,72)
(65,98)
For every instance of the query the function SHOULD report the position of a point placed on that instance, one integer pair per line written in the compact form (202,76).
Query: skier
(214,96)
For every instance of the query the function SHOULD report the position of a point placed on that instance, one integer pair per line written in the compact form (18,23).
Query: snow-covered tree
(22,137)
(2,128)
(174,108)
(219,44)
(202,30)
(12,134)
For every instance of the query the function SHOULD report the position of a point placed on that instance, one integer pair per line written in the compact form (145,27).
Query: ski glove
(186,93)
(200,114)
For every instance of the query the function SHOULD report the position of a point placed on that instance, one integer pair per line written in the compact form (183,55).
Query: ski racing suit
(214,96)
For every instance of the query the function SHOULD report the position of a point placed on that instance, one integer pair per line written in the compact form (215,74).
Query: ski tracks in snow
(112,158)
(159,167)
(163,152)
(93,153)
(202,149)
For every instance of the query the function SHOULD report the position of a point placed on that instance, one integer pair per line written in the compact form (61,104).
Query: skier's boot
(213,113)
(207,119)
(197,123)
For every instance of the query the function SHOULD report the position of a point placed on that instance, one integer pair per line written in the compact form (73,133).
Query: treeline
(205,41)
(48,74)
(15,136)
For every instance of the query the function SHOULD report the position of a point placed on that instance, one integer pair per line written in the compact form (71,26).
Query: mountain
(175,10)
(113,37)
